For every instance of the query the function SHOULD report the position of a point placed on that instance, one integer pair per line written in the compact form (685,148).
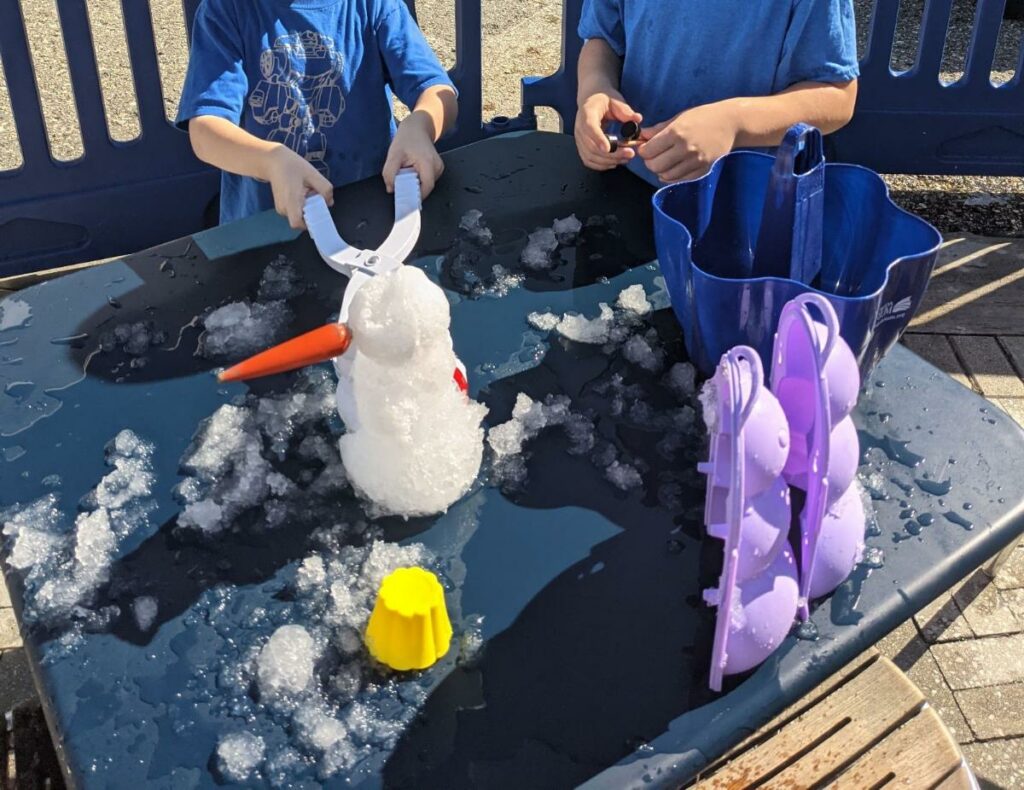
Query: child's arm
(686,146)
(599,100)
(225,145)
(413,146)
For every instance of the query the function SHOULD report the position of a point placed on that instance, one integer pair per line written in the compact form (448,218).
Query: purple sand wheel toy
(815,377)
(747,506)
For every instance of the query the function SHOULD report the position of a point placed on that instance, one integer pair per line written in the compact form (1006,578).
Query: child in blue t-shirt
(289,97)
(707,76)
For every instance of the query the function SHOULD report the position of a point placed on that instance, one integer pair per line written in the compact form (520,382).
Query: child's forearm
(436,110)
(599,70)
(763,121)
(225,145)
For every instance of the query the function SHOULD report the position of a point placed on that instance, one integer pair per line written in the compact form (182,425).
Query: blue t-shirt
(314,75)
(678,54)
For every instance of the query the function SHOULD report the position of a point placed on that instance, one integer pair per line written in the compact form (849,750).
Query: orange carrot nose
(319,345)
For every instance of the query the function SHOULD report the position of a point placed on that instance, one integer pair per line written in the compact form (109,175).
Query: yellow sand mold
(409,627)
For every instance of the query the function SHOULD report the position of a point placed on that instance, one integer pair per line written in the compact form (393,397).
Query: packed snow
(417,443)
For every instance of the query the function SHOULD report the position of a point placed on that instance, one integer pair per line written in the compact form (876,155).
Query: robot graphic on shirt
(299,94)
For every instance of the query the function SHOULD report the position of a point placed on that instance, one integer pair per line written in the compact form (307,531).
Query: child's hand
(685,147)
(291,179)
(589,132)
(413,147)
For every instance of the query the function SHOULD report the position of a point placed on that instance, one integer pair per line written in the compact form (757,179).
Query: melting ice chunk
(239,754)
(539,247)
(545,322)
(638,351)
(566,230)
(144,608)
(588,330)
(473,223)
(634,298)
(681,380)
(280,280)
(623,476)
(285,664)
(14,313)
(239,329)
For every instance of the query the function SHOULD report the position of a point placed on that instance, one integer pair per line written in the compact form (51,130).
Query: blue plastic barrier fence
(124,196)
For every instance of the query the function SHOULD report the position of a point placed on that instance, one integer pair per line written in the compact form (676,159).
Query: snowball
(285,664)
(238,754)
(417,443)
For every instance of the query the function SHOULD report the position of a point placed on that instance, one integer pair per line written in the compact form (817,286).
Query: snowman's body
(413,441)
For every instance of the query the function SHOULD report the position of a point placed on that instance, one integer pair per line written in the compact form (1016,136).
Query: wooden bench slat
(843,725)
(960,780)
(920,754)
(795,710)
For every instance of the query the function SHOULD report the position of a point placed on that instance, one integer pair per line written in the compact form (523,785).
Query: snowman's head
(397,315)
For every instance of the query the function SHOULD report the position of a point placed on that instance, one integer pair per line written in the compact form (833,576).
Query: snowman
(414,441)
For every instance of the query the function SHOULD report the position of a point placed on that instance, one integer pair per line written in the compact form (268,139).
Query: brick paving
(965,651)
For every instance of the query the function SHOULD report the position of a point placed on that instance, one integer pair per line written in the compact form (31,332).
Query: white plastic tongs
(331,341)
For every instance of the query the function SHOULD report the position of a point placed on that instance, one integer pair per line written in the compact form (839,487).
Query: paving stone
(989,366)
(1015,600)
(993,712)
(1014,346)
(5,597)
(10,636)
(942,621)
(16,684)
(997,763)
(1011,575)
(907,650)
(990,661)
(1013,407)
(984,608)
(937,350)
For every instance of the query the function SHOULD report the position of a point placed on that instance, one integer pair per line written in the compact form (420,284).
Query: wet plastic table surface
(597,645)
